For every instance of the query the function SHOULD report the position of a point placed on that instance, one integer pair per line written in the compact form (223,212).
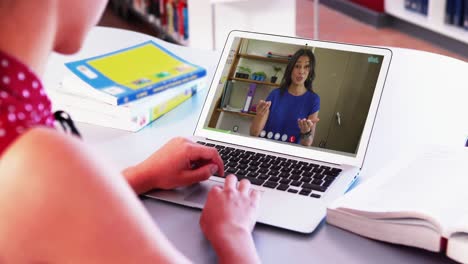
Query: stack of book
(127,89)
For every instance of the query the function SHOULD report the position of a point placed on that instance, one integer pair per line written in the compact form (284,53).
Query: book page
(429,184)
(460,225)
(457,247)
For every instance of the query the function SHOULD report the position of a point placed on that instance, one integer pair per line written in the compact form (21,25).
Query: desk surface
(424,100)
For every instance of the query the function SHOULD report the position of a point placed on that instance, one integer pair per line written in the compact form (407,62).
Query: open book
(421,200)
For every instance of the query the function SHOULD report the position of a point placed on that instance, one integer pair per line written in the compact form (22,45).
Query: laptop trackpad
(193,196)
(199,193)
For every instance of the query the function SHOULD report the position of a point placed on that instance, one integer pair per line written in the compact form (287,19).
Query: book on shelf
(465,15)
(449,8)
(170,16)
(132,116)
(185,23)
(425,7)
(129,74)
(226,96)
(418,200)
(458,12)
(249,97)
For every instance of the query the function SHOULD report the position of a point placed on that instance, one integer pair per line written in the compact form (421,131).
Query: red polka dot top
(23,102)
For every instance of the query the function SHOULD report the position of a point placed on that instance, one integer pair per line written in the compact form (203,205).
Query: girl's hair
(286,81)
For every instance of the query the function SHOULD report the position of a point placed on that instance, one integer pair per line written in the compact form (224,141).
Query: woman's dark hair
(286,81)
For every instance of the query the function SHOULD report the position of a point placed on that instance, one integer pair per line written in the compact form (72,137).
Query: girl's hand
(263,107)
(228,218)
(305,124)
(180,162)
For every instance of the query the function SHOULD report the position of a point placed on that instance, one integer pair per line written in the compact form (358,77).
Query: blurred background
(438,26)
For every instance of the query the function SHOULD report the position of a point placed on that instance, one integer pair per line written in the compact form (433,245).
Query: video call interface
(309,97)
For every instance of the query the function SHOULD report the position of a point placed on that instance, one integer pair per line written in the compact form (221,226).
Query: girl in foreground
(58,202)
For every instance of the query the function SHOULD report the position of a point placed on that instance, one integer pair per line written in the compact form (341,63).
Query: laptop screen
(309,98)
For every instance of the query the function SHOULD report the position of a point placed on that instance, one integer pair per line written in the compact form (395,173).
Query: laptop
(297,181)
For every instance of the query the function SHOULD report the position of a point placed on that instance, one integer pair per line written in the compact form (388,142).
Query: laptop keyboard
(297,177)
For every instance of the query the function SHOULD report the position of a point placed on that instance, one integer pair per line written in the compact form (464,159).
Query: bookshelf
(210,21)
(435,19)
(262,58)
(255,62)
(238,94)
(169,18)
(254,81)
(249,114)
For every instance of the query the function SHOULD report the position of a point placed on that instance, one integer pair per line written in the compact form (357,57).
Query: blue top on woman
(285,109)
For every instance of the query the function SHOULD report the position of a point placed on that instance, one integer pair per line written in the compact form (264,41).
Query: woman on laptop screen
(290,112)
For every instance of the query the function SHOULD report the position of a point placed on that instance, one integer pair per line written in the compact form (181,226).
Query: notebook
(297,182)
